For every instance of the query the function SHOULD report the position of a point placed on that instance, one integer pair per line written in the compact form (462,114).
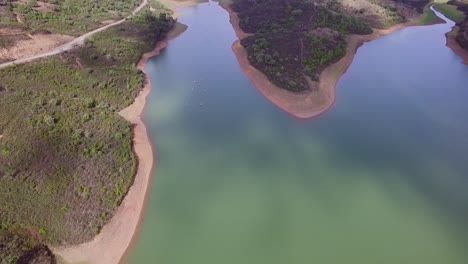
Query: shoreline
(452,43)
(176,31)
(111,245)
(454,46)
(305,104)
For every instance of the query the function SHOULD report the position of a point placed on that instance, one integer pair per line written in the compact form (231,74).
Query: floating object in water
(201,104)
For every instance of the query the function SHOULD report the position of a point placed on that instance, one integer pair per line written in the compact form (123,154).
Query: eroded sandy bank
(111,244)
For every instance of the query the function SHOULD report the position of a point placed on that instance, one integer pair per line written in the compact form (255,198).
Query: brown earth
(27,45)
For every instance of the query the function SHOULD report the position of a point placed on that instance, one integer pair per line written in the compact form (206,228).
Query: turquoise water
(379,178)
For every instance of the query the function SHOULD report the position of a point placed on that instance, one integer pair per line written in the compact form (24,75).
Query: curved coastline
(305,104)
(110,246)
(451,41)
(455,47)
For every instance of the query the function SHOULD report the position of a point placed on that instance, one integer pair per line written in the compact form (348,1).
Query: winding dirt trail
(74,43)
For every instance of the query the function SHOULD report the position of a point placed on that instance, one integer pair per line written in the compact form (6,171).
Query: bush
(64,141)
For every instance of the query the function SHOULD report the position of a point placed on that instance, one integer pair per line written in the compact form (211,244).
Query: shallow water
(379,178)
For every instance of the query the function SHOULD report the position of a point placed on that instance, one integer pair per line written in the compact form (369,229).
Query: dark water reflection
(380,178)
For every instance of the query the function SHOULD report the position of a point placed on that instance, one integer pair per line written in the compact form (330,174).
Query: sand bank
(309,103)
(110,245)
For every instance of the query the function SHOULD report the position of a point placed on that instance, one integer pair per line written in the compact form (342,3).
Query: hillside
(66,158)
(31,27)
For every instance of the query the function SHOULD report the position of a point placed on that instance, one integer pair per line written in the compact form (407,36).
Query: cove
(379,178)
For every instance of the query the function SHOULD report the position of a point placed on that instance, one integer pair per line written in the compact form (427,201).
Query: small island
(295,51)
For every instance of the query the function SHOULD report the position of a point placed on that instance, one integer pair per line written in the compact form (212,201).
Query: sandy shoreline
(112,243)
(309,103)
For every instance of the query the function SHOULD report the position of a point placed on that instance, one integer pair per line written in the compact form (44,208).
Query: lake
(379,178)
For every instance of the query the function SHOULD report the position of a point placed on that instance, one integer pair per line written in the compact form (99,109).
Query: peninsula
(295,51)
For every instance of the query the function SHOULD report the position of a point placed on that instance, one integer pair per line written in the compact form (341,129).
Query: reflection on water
(380,178)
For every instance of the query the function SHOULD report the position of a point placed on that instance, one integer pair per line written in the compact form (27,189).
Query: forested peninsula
(294,51)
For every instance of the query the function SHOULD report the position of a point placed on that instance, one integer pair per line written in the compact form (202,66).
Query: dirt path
(29,45)
(74,43)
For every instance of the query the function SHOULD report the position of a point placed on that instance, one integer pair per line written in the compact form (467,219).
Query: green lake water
(379,178)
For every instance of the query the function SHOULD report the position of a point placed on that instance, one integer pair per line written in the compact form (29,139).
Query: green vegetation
(380,13)
(295,40)
(7,16)
(343,23)
(66,158)
(451,12)
(17,246)
(428,17)
(157,7)
(64,16)
(323,50)
(448,10)
(460,15)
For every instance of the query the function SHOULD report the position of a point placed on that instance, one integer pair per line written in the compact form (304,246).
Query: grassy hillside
(66,158)
(450,11)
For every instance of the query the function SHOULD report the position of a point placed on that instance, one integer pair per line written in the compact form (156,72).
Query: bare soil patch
(17,44)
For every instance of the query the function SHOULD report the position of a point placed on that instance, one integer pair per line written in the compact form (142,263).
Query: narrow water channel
(379,178)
